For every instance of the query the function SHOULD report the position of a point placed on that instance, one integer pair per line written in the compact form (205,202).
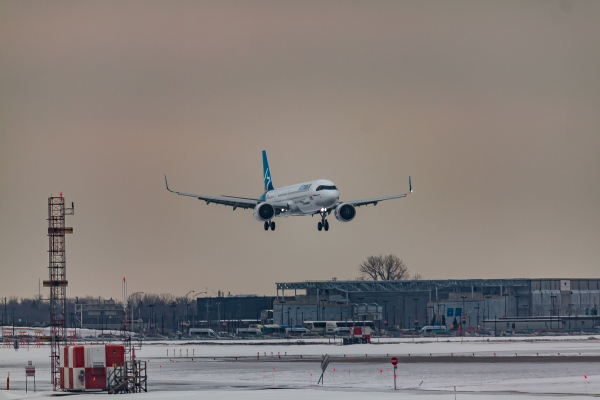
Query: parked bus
(273,329)
(318,327)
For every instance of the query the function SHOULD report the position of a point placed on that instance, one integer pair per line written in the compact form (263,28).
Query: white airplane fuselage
(305,198)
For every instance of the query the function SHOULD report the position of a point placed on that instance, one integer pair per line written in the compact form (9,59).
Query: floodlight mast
(57,281)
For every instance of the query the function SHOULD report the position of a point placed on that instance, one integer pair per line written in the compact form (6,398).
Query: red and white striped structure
(361,331)
(86,367)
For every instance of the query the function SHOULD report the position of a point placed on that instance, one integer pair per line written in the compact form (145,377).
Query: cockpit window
(323,187)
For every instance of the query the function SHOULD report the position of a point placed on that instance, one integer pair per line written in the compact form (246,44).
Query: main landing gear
(269,224)
(323,224)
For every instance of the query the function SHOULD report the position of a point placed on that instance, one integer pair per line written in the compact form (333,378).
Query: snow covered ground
(211,370)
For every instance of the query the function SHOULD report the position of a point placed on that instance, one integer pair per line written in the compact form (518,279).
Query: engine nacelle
(345,212)
(264,212)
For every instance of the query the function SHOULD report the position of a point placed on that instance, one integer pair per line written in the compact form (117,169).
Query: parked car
(310,335)
(225,335)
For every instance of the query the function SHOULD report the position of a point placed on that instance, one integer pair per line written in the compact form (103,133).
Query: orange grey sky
(492,107)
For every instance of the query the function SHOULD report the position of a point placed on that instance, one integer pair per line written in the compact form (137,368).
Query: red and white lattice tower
(72,335)
(57,282)
(38,339)
(23,339)
(7,339)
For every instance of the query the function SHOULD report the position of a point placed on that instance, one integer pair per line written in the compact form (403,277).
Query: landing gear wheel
(266,225)
(320,226)
(272,225)
(326,225)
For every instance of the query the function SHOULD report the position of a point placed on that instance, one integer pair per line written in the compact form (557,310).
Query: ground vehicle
(327,327)
(310,335)
(202,333)
(341,332)
(273,329)
(296,331)
(315,326)
(432,330)
(248,333)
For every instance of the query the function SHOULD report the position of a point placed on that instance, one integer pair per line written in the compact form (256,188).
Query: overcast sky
(493,108)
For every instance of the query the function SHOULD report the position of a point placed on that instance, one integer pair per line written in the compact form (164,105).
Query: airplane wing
(235,202)
(374,201)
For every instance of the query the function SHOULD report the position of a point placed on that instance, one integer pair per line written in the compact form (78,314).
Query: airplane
(309,198)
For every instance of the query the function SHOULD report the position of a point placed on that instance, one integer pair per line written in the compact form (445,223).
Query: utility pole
(463,318)
(385,313)
(207,316)
(505,296)
(416,318)
(151,307)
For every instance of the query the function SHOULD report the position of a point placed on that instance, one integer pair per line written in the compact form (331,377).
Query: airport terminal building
(498,304)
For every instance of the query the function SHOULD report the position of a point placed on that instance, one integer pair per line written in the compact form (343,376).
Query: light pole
(289,315)
(505,296)
(570,313)
(416,318)
(487,301)
(151,307)
(282,302)
(385,313)
(186,305)
(197,310)
(131,297)
(463,318)
(360,299)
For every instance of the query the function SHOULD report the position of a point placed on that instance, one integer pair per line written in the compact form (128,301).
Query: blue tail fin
(267,173)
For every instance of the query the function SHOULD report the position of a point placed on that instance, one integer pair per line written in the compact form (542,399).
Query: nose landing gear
(323,224)
(270,224)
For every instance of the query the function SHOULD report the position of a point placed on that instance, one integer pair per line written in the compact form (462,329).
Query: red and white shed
(86,367)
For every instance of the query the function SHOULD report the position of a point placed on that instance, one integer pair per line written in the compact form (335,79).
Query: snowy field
(473,368)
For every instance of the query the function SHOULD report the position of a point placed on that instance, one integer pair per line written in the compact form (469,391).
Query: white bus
(318,327)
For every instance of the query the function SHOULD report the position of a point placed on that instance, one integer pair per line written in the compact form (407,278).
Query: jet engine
(264,212)
(345,212)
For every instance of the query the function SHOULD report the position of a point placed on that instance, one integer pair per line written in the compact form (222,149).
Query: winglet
(409,184)
(168,185)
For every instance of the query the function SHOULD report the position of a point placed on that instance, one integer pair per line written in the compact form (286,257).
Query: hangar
(473,303)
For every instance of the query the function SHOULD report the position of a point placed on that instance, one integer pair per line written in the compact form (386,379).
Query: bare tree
(417,277)
(385,268)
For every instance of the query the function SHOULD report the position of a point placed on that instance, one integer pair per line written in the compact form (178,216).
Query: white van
(203,333)
(296,331)
(248,333)
(430,330)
